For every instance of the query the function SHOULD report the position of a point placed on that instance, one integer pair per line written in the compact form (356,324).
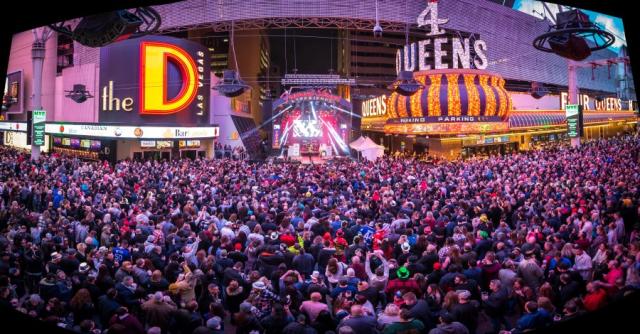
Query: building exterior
(606,91)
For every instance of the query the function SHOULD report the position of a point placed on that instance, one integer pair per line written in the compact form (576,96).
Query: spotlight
(568,37)
(231,85)
(377,30)
(79,93)
(405,84)
(538,90)
(102,29)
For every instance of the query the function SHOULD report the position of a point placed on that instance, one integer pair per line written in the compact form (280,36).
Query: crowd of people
(508,243)
(229,152)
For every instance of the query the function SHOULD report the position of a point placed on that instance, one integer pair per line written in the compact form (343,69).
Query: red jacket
(404,286)
(595,300)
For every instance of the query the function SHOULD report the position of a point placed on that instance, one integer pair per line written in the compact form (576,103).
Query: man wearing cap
(530,271)
(69,263)
(53,265)
(263,298)
(466,311)
(157,312)
(317,284)
(403,283)
(215,325)
(483,245)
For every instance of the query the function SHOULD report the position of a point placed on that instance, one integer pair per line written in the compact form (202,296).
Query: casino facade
(476,75)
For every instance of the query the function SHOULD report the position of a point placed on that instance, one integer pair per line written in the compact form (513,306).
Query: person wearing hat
(246,321)
(215,325)
(466,311)
(69,263)
(340,244)
(158,312)
(483,244)
(530,270)
(53,265)
(403,282)
(263,297)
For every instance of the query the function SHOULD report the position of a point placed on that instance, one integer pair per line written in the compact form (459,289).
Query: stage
(309,160)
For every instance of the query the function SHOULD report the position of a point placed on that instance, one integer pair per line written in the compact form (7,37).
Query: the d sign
(154,62)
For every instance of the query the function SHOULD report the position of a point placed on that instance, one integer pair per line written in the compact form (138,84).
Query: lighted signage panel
(155,79)
(575,121)
(39,119)
(132,132)
(12,99)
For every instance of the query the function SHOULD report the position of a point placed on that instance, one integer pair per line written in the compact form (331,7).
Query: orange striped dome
(454,93)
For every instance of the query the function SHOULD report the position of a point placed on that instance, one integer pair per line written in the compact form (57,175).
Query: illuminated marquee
(155,79)
(375,107)
(465,52)
(154,60)
(446,128)
(589,103)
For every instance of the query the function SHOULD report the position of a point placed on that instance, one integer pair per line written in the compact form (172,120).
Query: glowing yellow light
(402,106)
(416,106)
(434,95)
(472,95)
(453,95)
(495,82)
(490,99)
(391,106)
(154,58)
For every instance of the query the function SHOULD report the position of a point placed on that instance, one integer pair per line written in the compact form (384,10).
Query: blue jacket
(537,320)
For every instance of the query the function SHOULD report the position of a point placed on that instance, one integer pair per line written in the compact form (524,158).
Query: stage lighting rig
(405,84)
(79,93)
(231,85)
(102,29)
(377,29)
(538,90)
(569,35)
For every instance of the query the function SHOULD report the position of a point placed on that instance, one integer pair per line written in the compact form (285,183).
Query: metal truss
(292,22)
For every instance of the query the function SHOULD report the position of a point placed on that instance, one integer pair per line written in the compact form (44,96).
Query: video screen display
(57,141)
(85,143)
(160,144)
(307,129)
(75,143)
(147,143)
(66,141)
(96,145)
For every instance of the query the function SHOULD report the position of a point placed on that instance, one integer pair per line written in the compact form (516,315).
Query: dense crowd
(511,243)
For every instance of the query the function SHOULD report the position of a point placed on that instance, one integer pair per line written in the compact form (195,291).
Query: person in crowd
(402,244)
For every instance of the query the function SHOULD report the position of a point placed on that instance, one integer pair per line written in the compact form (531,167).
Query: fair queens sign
(440,51)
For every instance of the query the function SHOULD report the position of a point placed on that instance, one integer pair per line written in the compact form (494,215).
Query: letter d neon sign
(154,61)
